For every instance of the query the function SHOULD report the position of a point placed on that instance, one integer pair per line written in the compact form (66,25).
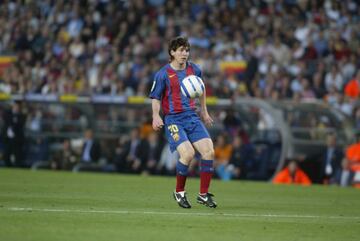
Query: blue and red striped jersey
(166,87)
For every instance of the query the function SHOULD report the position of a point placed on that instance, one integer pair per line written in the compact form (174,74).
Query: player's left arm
(204,112)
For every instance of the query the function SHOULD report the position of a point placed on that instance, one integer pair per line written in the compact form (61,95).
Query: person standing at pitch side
(184,129)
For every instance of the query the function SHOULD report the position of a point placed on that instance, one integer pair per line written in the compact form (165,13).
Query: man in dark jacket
(148,153)
(13,135)
(90,154)
(126,157)
(330,171)
(91,151)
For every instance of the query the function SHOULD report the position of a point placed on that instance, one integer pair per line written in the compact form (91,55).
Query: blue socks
(206,166)
(181,169)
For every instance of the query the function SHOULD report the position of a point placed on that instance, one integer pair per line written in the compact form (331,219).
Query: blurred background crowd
(293,49)
(298,50)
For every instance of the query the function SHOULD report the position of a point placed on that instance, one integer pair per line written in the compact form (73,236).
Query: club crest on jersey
(176,137)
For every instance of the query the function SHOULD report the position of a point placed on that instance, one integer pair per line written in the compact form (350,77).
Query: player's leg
(178,140)
(186,153)
(206,148)
(200,139)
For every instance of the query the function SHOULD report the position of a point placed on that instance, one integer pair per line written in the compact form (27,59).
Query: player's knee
(188,156)
(208,154)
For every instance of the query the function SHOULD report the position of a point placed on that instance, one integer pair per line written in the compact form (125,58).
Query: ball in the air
(192,86)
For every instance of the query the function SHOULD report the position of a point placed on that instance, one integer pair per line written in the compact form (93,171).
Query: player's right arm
(157,122)
(156,92)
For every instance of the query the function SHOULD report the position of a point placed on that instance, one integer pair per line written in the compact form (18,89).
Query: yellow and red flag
(233,67)
(5,62)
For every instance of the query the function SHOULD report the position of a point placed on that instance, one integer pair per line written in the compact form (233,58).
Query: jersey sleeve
(197,70)
(158,86)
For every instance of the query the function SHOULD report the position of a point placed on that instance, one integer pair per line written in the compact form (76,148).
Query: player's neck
(177,66)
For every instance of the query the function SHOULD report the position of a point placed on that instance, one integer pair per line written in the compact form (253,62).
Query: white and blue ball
(192,86)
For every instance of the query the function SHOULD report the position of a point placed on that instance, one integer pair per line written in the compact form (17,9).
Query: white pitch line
(231,215)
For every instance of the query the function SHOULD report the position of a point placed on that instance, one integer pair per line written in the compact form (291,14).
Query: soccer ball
(192,86)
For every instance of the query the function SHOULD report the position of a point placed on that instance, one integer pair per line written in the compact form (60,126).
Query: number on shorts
(173,129)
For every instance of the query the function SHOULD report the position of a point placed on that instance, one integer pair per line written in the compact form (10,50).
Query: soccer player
(184,129)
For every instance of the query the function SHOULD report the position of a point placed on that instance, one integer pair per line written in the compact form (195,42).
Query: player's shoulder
(196,68)
(162,72)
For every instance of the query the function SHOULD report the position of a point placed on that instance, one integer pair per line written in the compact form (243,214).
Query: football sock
(206,172)
(181,174)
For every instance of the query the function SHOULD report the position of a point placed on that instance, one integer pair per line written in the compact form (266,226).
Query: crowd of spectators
(293,49)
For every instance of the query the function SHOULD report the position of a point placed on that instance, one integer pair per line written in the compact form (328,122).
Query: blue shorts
(186,126)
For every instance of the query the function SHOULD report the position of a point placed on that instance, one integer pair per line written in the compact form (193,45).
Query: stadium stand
(288,52)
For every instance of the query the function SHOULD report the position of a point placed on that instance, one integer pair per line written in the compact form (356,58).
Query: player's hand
(207,119)
(157,123)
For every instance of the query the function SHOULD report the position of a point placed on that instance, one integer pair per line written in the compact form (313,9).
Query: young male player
(184,129)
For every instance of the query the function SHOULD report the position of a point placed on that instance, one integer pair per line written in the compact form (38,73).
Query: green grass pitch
(63,206)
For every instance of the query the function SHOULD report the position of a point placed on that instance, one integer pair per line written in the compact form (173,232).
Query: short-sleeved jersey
(166,88)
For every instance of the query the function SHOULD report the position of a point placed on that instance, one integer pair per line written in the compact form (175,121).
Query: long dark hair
(176,43)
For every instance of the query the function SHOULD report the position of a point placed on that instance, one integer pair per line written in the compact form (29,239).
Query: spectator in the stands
(352,88)
(237,159)
(334,79)
(356,116)
(65,158)
(231,122)
(223,151)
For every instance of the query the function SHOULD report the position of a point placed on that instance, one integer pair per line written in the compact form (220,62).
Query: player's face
(181,55)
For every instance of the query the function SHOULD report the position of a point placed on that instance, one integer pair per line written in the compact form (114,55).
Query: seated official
(292,174)
(91,148)
(330,171)
(90,154)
